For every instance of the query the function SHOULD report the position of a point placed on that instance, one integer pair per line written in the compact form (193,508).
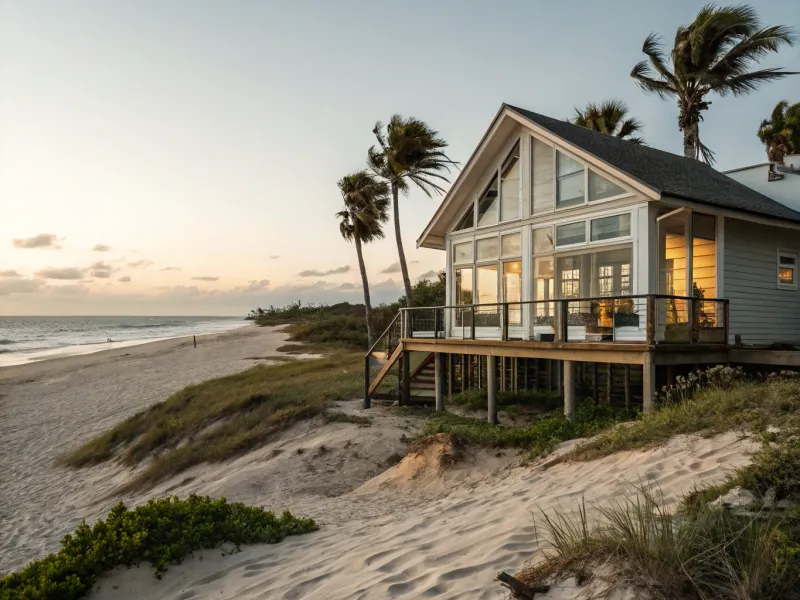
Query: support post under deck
(569,389)
(405,398)
(438,380)
(491,368)
(648,381)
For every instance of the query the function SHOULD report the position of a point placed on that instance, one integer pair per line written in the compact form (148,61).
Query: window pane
(609,228)
(542,241)
(462,252)
(787,260)
(487,284)
(509,198)
(487,205)
(542,176)
(468,222)
(463,287)
(570,190)
(704,226)
(488,248)
(544,286)
(569,276)
(787,269)
(571,233)
(600,187)
(786,275)
(510,245)
(611,272)
(567,165)
(704,259)
(512,290)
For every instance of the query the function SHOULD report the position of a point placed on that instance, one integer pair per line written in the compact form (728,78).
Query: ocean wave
(147,325)
(5,342)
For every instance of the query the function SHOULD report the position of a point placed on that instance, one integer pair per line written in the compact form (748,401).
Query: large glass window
(463,285)
(601,188)
(542,241)
(510,245)
(488,248)
(569,276)
(571,233)
(509,186)
(611,272)
(672,254)
(487,205)
(608,228)
(468,221)
(487,284)
(704,256)
(570,185)
(541,176)
(462,253)
(512,290)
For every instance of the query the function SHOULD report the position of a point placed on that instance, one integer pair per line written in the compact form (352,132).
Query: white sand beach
(408,531)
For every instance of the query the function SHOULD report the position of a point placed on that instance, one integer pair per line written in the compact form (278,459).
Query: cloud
(66,273)
(346,286)
(140,263)
(171,269)
(205,278)
(43,240)
(18,285)
(255,285)
(101,248)
(125,279)
(429,275)
(9,273)
(274,256)
(392,268)
(315,273)
(101,270)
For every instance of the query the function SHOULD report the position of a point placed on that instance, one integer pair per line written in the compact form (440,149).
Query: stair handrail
(381,336)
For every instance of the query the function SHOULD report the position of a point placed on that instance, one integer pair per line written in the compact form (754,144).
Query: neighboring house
(781,182)
(576,256)
(545,209)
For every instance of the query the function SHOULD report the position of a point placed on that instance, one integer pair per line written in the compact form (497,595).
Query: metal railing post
(691,317)
(472,324)
(504,333)
(563,320)
(436,323)
(650,335)
(726,323)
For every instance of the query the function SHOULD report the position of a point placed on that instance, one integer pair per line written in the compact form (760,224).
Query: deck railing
(651,319)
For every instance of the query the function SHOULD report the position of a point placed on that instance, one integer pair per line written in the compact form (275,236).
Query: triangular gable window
(468,222)
(601,188)
(487,205)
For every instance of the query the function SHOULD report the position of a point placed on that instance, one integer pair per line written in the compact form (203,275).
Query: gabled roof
(656,172)
(665,172)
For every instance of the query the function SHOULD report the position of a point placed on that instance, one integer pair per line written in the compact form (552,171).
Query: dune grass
(539,438)
(742,405)
(161,532)
(476,399)
(223,418)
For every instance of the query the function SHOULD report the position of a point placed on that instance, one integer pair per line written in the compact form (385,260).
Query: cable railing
(650,318)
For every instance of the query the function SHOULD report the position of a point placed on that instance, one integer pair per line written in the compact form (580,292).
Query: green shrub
(160,532)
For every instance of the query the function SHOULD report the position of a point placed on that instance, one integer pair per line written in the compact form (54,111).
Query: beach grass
(161,532)
(223,418)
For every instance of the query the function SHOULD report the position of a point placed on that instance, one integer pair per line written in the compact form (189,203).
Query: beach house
(577,256)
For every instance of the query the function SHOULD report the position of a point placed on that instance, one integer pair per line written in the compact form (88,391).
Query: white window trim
(586,168)
(455,243)
(787,254)
(588,225)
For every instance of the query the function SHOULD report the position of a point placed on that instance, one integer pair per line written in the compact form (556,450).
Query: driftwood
(519,589)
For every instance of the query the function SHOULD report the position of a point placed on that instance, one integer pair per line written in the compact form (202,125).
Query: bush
(476,399)
(160,532)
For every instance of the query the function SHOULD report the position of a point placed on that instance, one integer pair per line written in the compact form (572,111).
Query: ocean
(26,339)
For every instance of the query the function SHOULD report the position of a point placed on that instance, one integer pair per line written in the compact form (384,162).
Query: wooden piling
(438,380)
(491,376)
(569,389)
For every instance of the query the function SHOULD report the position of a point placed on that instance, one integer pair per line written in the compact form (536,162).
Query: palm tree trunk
(400,253)
(690,126)
(365,283)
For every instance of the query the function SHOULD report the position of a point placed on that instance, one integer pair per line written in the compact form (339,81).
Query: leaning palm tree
(366,208)
(409,151)
(611,118)
(714,53)
(780,134)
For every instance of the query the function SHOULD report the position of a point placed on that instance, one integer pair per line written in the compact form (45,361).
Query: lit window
(571,233)
(569,187)
(787,270)
(608,228)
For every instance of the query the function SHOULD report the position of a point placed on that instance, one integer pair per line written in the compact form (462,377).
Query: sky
(181,158)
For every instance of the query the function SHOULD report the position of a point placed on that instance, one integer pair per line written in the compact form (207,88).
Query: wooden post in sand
(438,379)
(195,341)
(491,388)
(569,389)
(648,381)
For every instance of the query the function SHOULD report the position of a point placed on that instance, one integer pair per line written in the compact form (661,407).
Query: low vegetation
(223,418)
(539,438)
(160,532)
(718,400)
(476,399)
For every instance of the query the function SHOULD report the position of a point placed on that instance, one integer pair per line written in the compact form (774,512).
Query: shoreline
(132,348)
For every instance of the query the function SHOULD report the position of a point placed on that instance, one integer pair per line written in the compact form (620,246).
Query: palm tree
(714,53)
(409,151)
(366,208)
(611,118)
(781,132)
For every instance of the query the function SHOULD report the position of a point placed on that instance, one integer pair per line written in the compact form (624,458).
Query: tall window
(704,256)
(570,183)
(487,205)
(541,177)
(512,290)
(544,286)
(509,186)
(463,285)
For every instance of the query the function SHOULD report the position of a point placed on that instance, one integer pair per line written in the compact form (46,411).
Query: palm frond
(749,82)
(643,75)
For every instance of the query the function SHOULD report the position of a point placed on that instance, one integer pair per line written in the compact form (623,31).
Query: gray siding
(760,312)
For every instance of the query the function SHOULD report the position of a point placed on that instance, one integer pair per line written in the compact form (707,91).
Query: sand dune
(419,529)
